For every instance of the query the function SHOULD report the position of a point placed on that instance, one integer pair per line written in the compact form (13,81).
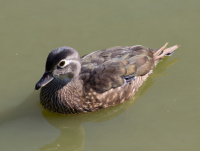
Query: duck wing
(114,67)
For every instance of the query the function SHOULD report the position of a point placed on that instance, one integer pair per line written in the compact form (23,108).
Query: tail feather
(163,51)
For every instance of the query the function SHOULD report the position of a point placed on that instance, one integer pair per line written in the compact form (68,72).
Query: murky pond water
(163,115)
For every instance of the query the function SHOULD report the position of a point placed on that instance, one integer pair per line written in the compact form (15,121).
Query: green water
(162,116)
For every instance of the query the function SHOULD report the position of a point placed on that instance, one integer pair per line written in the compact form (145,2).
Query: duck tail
(163,51)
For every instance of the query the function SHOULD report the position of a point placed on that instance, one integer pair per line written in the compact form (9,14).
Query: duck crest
(104,78)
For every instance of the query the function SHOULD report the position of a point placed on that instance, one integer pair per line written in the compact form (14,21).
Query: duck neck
(62,96)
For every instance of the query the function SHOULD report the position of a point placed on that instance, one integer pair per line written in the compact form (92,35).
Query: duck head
(62,64)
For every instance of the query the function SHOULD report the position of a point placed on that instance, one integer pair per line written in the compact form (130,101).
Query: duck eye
(61,63)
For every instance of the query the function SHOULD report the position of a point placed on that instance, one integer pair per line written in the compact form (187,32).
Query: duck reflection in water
(72,137)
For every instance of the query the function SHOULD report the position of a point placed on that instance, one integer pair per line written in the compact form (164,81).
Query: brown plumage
(104,78)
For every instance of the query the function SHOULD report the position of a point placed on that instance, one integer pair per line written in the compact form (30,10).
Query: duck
(73,85)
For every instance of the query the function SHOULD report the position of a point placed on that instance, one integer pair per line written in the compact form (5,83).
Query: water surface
(163,115)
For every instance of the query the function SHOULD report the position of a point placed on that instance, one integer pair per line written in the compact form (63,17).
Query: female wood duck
(104,78)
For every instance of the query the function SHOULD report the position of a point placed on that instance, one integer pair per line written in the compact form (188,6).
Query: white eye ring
(63,63)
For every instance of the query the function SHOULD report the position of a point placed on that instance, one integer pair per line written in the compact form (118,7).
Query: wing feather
(106,69)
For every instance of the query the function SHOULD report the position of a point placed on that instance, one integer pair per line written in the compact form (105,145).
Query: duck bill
(46,78)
